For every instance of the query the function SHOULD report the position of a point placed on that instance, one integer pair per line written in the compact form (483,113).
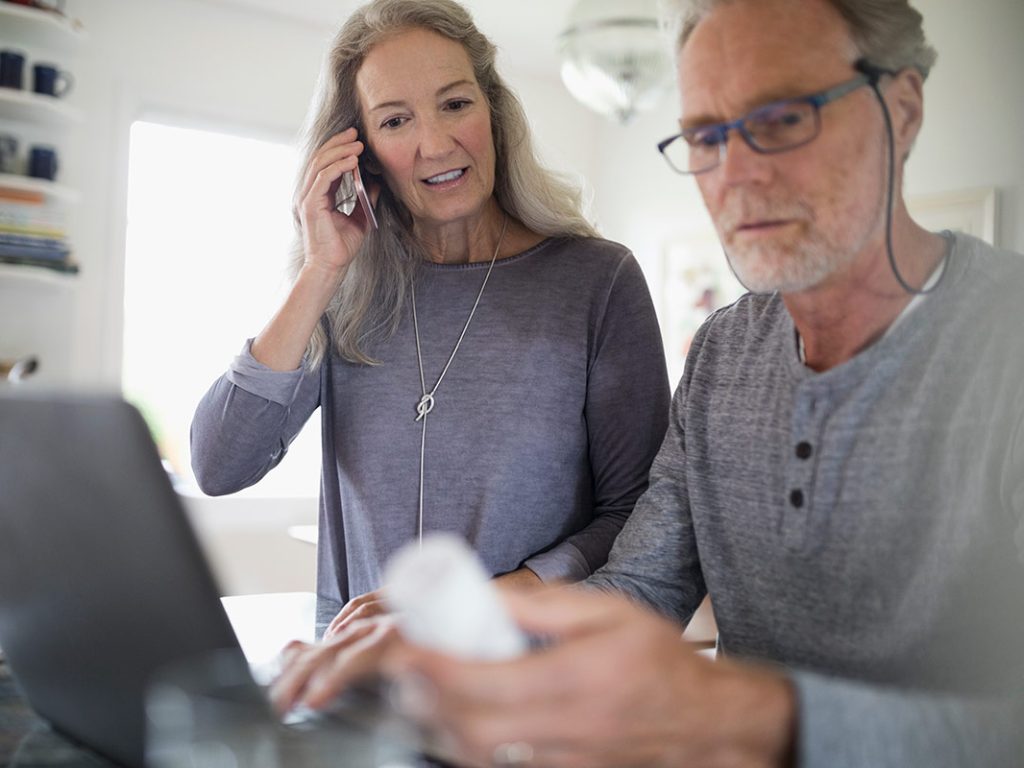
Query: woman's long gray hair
(369,301)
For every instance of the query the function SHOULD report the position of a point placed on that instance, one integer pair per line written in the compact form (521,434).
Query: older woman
(482,362)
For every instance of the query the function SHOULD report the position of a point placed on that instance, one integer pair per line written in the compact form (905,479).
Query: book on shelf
(21,215)
(9,194)
(32,230)
(29,246)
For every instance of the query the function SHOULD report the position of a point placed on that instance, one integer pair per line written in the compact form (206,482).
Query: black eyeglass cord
(874,74)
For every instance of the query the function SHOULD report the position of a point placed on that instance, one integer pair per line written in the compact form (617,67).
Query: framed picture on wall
(971,211)
(695,281)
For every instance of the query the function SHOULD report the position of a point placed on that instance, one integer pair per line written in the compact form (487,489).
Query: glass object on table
(208,713)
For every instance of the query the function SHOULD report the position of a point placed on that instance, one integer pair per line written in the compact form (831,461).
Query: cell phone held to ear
(351,193)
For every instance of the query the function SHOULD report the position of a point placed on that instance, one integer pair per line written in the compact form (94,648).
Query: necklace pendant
(425,405)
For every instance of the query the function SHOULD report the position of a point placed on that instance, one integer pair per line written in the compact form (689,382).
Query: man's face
(788,221)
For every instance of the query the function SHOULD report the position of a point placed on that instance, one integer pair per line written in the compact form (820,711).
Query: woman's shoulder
(581,267)
(594,253)
(593,247)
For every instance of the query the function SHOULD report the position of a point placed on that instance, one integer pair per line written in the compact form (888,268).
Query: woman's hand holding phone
(331,238)
(330,241)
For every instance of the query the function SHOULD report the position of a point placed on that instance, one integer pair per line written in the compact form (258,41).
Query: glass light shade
(615,58)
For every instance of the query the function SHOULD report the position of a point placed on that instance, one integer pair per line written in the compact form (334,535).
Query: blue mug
(51,81)
(42,163)
(12,69)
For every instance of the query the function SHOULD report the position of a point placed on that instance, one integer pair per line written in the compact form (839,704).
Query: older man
(844,467)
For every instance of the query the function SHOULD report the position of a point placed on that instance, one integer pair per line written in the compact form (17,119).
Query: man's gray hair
(888,33)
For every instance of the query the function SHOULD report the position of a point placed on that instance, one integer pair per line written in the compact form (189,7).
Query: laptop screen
(102,581)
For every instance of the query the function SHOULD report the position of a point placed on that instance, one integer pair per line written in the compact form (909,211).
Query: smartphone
(351,192)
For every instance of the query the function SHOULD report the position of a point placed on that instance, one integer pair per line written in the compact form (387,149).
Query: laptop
(103,585)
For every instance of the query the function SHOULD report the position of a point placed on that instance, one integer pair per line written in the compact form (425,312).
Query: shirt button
(804,450)
(796,498)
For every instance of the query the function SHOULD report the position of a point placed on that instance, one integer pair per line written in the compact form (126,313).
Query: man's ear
(905,99)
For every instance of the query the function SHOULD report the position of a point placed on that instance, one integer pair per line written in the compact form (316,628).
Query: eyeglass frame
(722,130)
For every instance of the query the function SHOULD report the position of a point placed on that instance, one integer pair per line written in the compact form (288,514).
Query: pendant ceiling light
(615,58)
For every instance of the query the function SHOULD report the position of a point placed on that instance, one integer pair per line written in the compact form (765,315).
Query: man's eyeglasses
(776,127)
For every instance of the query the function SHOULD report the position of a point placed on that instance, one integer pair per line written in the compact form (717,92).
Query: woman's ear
(369,162)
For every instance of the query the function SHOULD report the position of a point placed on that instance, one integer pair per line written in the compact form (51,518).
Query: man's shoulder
(990,267)
(749,334)
(988,282)
(751,319)
(969,330)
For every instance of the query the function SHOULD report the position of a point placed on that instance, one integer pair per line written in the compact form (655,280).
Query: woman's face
(428,125)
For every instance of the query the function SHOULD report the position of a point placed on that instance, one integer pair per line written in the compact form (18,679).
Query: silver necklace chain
(426,402)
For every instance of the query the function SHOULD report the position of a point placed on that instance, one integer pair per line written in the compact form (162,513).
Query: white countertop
(265,623)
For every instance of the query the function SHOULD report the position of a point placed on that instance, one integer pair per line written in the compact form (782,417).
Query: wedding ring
(512,753)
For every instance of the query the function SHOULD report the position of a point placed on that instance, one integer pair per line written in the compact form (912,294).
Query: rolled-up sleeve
(246,420)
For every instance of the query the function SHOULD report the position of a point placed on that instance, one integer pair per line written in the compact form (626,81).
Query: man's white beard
(761,269)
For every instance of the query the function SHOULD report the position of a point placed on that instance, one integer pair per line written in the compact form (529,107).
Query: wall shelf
(38,299)
(33,274)
(42,186)
(35,28)
(33,108)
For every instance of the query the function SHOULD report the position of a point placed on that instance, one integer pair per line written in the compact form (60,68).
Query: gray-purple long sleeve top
(538,446)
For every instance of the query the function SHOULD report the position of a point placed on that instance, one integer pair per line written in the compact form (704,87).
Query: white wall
(972,137)
(974,108)
(247,544)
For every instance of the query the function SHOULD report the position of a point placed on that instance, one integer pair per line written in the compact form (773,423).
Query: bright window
(209,228)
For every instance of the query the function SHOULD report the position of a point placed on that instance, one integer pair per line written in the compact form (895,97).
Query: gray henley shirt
(863,526)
